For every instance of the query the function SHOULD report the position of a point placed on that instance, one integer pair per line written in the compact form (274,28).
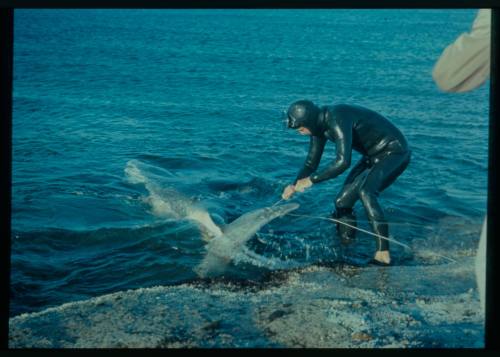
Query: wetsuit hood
(304,113)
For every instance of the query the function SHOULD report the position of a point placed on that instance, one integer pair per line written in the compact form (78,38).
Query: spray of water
(248,256)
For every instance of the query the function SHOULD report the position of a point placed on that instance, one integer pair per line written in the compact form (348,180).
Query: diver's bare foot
(383,256)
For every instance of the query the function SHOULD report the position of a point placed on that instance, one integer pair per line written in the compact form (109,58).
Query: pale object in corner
(465,64)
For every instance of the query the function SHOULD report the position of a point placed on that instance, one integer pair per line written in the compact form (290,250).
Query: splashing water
(225,244)
(222,249)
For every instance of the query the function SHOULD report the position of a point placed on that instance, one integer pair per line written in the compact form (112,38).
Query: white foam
(248,256)
(133,173)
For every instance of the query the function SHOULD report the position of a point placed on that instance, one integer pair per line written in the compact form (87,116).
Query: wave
(111,235)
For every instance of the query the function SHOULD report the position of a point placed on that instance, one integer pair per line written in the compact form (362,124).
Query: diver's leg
(357,169)
(398,170)
(383,174)
(345,200)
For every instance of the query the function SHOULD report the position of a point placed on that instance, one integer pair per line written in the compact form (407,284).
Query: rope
(365,221)
(365,231)
(277,202)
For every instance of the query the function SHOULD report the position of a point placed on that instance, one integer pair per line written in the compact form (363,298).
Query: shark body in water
(168,202)
(223,243)
(222,248)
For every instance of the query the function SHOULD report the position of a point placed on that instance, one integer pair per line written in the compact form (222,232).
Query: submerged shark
(223,244)
(168,202)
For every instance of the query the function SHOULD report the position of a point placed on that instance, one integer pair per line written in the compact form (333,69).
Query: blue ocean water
(196,97)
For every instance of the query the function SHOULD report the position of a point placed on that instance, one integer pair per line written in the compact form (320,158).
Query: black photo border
(7,9)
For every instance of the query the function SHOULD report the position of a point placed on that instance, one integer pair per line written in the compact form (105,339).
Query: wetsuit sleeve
(465,64)
(343,133)
(316,146)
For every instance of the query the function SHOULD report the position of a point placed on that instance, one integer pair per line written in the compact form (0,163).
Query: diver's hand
(302,184)
(288,192)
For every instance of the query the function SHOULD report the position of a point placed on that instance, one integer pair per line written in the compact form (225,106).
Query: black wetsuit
(385,156)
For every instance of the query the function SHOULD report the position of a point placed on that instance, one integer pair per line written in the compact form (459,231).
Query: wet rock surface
(317,307)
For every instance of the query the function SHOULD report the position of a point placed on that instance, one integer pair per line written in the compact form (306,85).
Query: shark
(222,248)
(167,202)
(223,242)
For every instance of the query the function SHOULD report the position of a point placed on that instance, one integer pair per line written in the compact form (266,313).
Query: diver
(385,155)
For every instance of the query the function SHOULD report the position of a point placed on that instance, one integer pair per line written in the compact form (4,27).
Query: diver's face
(304,131)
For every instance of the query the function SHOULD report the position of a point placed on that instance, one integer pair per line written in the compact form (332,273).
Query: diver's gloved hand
(288,192)
(302,184)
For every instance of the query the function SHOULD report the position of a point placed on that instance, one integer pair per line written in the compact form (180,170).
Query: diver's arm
(343,134)
(316,146)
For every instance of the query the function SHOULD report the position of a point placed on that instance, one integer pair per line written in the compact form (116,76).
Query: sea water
(196,96)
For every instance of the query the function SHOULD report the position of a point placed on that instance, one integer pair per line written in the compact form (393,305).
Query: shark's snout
(286,208)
